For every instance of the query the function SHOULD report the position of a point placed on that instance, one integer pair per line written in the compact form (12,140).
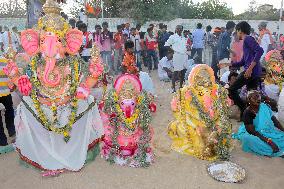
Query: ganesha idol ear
(30,41)
(74,40)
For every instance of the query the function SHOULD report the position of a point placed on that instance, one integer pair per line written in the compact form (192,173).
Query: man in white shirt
(198,37)
(83,17)
(265,39)
(179,45)
(165,67)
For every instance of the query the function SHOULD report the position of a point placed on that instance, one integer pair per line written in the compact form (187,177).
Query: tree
(255,12)
(214,9)
(13,9)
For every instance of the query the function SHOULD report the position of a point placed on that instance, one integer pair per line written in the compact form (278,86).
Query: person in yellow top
(6,100)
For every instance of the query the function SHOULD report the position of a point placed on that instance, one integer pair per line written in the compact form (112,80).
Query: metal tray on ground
(226,171)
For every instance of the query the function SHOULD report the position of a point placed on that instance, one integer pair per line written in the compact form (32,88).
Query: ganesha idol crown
(52,21)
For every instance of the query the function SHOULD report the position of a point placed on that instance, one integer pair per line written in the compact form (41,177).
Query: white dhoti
(147,83)
(179,61)
(47,149)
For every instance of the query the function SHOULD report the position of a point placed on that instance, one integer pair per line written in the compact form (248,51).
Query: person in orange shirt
(129,61)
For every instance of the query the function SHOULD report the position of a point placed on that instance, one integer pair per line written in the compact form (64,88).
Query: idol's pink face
(128,107)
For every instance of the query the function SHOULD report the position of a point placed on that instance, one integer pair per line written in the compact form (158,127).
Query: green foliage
(255,12)
(163,10)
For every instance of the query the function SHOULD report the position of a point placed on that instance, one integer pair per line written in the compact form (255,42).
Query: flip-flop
(7,149)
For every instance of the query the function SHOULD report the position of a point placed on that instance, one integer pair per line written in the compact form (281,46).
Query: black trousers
(9,119)
(214,64)
(251,83)
(198,51)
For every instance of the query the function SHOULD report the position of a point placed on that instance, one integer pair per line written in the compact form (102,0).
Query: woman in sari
(261,133)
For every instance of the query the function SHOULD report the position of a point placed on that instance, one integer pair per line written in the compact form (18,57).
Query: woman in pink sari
(237,48)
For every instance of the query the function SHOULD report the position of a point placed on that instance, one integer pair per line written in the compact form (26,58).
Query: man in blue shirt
(252,53)
(198,37)
(224,46)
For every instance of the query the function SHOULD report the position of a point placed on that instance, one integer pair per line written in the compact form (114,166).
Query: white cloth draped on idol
(48,150)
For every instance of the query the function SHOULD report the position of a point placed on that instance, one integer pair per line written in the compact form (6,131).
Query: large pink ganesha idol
(57,122)
(126,117)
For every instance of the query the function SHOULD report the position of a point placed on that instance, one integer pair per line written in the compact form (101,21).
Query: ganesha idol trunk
(126,118)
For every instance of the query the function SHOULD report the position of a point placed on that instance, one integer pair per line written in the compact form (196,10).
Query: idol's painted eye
(133,104)
(122,103)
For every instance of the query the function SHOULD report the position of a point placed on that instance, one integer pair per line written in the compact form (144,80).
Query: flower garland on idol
(274,63)
(141,118)
(223,128)
(49,125)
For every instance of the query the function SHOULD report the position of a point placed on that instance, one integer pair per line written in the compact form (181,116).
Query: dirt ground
(171,170)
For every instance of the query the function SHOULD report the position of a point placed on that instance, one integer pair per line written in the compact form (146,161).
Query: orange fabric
(129,63)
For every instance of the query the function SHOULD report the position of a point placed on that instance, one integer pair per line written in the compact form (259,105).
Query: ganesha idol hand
(96,69)
(11,69)
(24,85)
(83,92)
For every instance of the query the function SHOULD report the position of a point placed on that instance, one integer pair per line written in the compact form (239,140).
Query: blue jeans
(138,59)
(152,54)
(106,56)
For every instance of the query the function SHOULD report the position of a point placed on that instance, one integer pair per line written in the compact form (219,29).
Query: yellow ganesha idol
(201,127)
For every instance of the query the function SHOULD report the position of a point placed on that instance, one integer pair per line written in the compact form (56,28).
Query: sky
(239,6)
